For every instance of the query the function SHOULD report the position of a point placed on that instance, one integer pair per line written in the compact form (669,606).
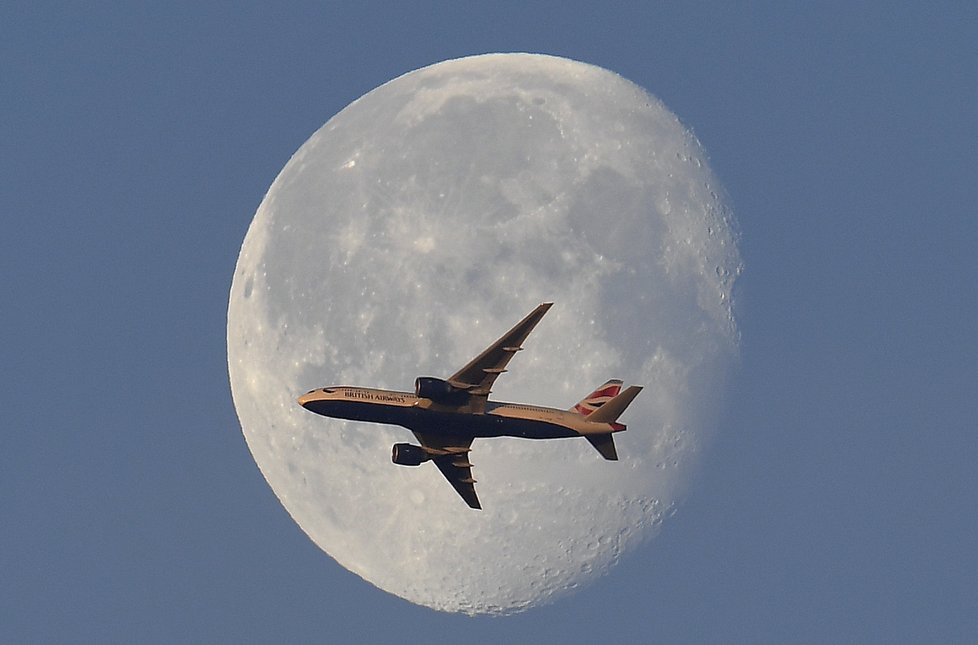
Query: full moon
(412,230)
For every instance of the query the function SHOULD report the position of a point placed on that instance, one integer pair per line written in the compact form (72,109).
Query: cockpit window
(328,390)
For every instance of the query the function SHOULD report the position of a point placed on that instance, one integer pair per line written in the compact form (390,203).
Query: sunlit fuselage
(405,409)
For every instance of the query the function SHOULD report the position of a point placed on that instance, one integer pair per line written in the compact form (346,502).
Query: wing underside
(451,455)
(480,373)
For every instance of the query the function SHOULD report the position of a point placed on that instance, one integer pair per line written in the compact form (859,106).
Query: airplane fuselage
(498,419)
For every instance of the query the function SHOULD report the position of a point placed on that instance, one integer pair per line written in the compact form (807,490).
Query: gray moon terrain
(414,228)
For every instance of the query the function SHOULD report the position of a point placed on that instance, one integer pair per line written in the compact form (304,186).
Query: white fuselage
(498,419)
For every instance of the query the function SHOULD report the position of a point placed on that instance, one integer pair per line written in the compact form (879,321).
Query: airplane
(446,415)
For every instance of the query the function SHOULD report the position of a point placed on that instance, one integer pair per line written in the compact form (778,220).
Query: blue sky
(838,501)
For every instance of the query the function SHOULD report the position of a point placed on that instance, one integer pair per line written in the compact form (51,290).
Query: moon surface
(414,228)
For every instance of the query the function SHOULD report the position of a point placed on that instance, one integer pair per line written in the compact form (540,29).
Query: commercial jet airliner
(446,415)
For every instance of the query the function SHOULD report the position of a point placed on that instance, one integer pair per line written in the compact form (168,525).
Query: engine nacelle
(406,454)
(438,390)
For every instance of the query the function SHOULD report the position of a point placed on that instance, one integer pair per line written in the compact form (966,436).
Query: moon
(418,225)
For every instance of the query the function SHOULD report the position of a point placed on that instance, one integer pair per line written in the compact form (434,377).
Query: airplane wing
(480,373)
(451,455)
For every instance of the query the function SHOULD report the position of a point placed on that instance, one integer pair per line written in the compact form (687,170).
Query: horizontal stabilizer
(610,411)
(605,444)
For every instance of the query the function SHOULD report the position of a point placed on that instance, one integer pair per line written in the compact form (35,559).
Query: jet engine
(406,454)
(438,390)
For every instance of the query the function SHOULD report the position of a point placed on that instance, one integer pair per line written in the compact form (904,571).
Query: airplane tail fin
(599,397)
(608,411)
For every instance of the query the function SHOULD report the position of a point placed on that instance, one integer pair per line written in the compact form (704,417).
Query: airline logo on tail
(599,397)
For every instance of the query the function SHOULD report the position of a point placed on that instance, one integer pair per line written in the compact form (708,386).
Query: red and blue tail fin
(603,408)
(599,397)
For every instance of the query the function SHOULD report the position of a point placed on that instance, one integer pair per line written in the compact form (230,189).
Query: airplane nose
(306,398)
